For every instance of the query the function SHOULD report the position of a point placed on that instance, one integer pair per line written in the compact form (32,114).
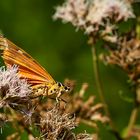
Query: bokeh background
(64,53)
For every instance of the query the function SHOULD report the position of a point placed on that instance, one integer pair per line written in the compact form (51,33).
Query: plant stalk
(132,121)
(100,91)
(98,80)
(134,114)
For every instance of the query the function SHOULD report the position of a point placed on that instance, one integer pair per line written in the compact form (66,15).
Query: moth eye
(54,89)
(67,88)
(59,84)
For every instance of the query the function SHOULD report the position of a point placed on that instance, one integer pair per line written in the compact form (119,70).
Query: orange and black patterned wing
(28,67)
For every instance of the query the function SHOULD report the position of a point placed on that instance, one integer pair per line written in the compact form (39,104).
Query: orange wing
(28,67)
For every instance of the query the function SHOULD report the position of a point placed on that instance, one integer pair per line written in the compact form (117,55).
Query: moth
(40,80)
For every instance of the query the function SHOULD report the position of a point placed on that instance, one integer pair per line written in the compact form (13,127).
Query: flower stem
(132,121)
(98,80)
(100,91)
(134,114)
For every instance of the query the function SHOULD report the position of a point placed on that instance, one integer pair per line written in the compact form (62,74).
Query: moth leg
(57,99)
(45,90)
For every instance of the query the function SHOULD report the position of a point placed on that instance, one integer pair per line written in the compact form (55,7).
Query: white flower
(11,85)
(93,16)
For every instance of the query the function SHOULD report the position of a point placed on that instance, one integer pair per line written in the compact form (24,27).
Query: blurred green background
(64,53)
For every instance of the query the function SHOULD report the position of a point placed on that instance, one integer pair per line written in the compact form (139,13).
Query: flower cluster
(127,56)
(95,17)
(51,120)
(13,90)
(86,111)
(54,123)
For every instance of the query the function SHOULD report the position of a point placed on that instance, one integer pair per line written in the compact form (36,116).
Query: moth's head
(63,88)
(58,88)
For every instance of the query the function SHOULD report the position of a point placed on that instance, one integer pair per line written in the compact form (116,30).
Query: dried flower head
(86,111)
(56,125)
(52,124)
(53,121)
(95,17)
(13,90)
(126,54)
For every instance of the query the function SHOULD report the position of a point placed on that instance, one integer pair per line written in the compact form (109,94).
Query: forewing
(28,67)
